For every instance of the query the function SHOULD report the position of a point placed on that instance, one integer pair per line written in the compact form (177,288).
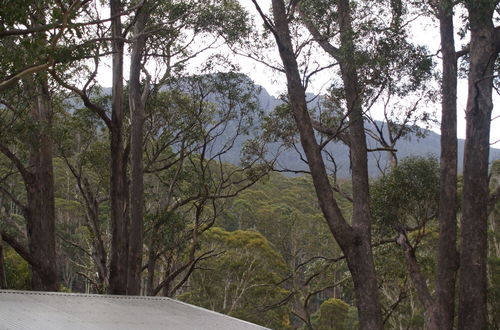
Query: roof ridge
(79,294)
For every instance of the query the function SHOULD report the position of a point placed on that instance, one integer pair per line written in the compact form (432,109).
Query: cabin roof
(50,310)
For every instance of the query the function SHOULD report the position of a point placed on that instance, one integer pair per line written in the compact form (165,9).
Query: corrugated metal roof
(46,310)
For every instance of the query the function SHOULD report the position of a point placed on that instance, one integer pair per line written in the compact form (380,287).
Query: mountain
(429,145)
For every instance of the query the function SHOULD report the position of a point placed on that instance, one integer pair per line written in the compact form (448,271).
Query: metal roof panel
(29,310)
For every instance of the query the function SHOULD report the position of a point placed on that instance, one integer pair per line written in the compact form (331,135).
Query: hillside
(410,146)
(290,159)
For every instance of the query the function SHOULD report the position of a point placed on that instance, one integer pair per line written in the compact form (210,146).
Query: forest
(137,157)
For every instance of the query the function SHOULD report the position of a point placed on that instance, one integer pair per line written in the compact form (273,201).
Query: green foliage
(62,288)
(279,126)
(406,200)
(284,209)
(17,271)
(243,280)
(272,247)
(407,197)
(227,18)
(332,314)
(494,291)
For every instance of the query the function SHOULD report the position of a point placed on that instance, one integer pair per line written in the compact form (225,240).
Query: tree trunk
(118,189)
(137,109)
(40,210)
(359,256)
(360,261)
(473,253)
(354,242)
(447,264)
(151,271)
(99,254)
(3,275)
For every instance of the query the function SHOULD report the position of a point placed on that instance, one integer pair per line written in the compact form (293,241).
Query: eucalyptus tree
(82,151)
(355,240)
(482,53)
(484,50)
(241,283)
(343,33)
(217,20)
(410,217)
(163,33)
(137,104)
(192,132)
(17,22)
(440,306)
(32,35)
(447,250)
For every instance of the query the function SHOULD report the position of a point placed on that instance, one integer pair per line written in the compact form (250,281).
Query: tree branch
(20,249)
(100,111)
(27,176)
(27,71)
(415,272)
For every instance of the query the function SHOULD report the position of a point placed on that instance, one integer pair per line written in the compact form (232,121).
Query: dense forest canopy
(177,180)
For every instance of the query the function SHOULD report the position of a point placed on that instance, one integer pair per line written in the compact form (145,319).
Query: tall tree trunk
(118,189)
(354,242)
(151,270)
(359,255)
(447,264)
(99,253)
(137,109)
(40,210)
(3,275)
(473,253)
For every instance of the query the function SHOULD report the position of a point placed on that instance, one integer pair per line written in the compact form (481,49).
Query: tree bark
(40,208)
(137,109)
(447,264)
(359,254)
(3,275)
(99,253)
(473,253)
(118,184)
(151,270)
(38,179)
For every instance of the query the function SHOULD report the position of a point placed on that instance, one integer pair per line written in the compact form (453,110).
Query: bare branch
(27,71)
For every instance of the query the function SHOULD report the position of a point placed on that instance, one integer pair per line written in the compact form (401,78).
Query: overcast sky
(424,32)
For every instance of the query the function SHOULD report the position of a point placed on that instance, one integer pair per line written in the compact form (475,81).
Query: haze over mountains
(291,160)
(409,146)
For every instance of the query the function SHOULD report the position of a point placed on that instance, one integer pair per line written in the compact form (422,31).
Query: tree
(192,131)
(332,314)
(83,152)
(35,167)
(137,105)
(159,34)
(355,240)
(16,23)
(472,311)
(285,211)
(241,281)
(405,206)
(444,308)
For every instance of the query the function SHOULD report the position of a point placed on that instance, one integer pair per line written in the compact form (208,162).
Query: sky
(423,32)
